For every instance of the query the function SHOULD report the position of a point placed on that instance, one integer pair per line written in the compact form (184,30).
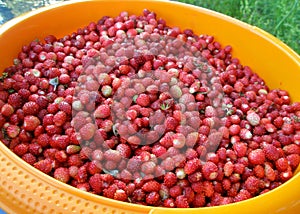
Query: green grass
(281,18)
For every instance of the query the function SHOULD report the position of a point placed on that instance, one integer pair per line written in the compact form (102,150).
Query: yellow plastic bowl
(24,189)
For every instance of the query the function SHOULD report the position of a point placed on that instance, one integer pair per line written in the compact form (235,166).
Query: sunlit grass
(278,17)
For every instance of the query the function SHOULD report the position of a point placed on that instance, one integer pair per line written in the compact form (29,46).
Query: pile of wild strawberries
(134,110)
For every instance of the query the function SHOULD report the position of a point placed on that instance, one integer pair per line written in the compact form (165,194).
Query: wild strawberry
(30,108)
(293,160)
(124,69)
(96,183)
(12,131)
(74,160)
(178,140)
(252,184)
(269,172)
(7,110)
(151,186)
(15,100)
(120,195)
(84,186)
(152,198)
(61,156)
(60,141)
(29,158)
(134,140)
(52,108)
(87,131)
(110,191)
(169,202)
(210,170)
(21,149)
(62,174)
(253,118)
(31,123)
(112,155)
(256,157)
(199,200)
(106,90)
(131,114)
(65,107)
(175,91)
(181,202)
(191,166)
(286,175)
(59,118)
(208,188)
(245,134)
(44,165)
(189,194)
(180,173)
(170,124)
(271,152)
(138,195)
(242,195)
(143,100)
(43,140)
(158,150)
(72,149)
(102,111)
(282,164)
(191,139)
(291,149)
(259,171)
(35,149)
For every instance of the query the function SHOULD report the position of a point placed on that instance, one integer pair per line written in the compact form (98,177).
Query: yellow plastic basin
(24,189)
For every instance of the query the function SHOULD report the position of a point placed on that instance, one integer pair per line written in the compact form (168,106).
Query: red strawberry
(43,140)
(171,123)
(170,179)
(21,149)
(151,186)
(110,191)
(31,123)
(291,149)
(181,202)
(12,131)
(96,183)
(60,141)
(120,195)
(124,69)
(74,160)
(94,167)
(169,202)
(143,100)
(29,158)
(7,110)
(44,165)
(15,100)
(210,170)
(66,107)
(30,108)
(59,118)
(102,111)
(87,131)
(252,184)
(152,198)
(62,174)
(124,150)
(191,166)
(112,155)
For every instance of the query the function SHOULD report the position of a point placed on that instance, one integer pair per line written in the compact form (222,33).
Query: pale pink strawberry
(31,123)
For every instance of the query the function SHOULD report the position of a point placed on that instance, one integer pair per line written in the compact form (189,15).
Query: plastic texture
(24,189)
